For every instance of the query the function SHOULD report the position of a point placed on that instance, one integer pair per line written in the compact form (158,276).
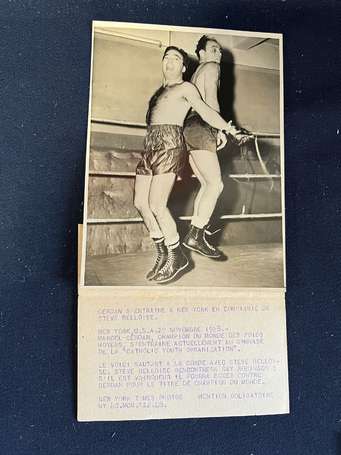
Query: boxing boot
(210,230)
(195,240)
(174,267)
(161,258)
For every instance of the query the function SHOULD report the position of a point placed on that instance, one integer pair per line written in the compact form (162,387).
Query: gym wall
(125,74)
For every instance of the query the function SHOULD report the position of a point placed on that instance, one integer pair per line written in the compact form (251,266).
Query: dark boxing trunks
(164,151)
(199,135)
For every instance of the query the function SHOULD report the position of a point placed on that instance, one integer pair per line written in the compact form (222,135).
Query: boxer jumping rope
(201,141)
(164,158)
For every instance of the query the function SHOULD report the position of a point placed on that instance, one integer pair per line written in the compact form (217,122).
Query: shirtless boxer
(164,158)
(201,141)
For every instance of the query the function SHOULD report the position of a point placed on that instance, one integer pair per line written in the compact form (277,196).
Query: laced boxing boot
(211,230)
(176,262)
(161,258)
(195,240)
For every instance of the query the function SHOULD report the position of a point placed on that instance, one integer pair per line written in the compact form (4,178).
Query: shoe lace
(169,261)
(158,259)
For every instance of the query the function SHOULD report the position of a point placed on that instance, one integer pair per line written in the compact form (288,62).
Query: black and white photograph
(184,170)
(170,227)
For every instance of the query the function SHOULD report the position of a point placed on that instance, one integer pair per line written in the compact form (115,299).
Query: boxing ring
(250,264)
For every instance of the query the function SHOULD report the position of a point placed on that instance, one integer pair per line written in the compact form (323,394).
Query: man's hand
(243,136)
(239,136)
(221,140)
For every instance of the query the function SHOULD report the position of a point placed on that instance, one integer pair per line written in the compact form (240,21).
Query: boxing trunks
(164,151)
(199,135)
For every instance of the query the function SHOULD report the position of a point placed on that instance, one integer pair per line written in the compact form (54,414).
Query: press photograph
(184,177)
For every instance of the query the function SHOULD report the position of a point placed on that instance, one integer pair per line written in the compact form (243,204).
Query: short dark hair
(202,43)
(183,54)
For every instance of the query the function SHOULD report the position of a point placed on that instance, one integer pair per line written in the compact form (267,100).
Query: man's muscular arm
(192,95)
(211,74)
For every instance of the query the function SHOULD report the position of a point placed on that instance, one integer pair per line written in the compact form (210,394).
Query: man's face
(173,64)
(212,53)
